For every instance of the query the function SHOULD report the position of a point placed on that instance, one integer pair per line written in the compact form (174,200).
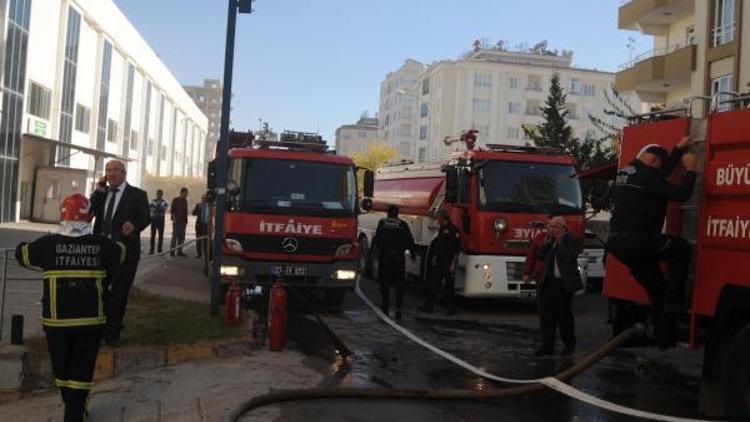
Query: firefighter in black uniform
(442,259)
(641,194)
(76,268)
(392,238)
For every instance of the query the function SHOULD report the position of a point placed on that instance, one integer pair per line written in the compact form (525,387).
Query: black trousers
(200,244)
(391,273)
(556,312)
(642,253)
(435,276)
(178,235)
(73,358)
(157,227)
(119,292)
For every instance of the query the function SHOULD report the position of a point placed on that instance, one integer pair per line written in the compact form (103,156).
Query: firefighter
(392,239)
(441,264)
(641,193)
(77,267)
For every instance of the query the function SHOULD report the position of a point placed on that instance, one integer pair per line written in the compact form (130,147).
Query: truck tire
(335,297)
(364,249)
(737,376)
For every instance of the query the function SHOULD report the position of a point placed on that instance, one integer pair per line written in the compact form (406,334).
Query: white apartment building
(208,97)
(359,137)
(398,106)
(497,92)
(80,86)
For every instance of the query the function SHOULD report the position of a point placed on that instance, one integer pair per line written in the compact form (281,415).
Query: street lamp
(241,6)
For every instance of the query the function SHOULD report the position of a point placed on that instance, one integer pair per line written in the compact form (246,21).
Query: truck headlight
(344,250)
(500,225)
(345,274)
(233,245)
(229,270)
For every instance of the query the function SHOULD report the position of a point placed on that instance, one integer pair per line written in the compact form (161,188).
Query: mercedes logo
(290,244)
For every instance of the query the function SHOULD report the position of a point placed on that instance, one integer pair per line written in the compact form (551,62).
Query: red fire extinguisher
(232,305)
(277,317)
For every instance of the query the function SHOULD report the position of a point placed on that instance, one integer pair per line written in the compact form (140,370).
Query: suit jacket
(566,254)
(133,207)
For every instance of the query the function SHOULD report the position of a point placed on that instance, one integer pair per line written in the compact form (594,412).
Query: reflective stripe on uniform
(75,274)
(25,255)
(76,385)
(73,322)
(99,297)
(123,252)
(53,298)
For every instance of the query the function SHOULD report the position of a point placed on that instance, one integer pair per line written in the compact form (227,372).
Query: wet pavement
(497,336)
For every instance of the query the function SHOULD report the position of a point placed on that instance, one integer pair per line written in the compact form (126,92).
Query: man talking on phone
(121,213)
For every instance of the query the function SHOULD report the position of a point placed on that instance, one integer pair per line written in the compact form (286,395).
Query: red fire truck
(717,221)
(292,213)
(498,196)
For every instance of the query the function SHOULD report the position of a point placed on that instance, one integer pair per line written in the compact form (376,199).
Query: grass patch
(153,319)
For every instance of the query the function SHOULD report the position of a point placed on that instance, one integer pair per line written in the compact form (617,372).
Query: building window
(422,154)
(83,118)
(163,152)
(723,84)
(387,119)
(150,146)
(69,85)
(423,132)
(362,134)
(112,131)
(533,108)
(575,86)
(424,110)
(101,123)
(482,80)
(146,123)
(425,86)
(535,83)
(39,101)
(514,82)
(724,22)
(513,132)
(480,106)
(133,140)
(572,111)
(589,90)
(514,108)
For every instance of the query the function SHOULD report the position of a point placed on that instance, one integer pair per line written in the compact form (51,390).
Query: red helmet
(75,207)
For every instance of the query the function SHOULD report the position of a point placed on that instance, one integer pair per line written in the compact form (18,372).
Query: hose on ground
(433,394)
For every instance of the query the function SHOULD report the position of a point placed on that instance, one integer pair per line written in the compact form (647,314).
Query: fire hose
(530,386)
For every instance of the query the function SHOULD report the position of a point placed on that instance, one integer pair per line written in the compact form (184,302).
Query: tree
(588,153)
(375,157)
(619,110)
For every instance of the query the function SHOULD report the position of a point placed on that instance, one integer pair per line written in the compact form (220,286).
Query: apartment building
(359,137)
(208,97)
(497,92)
(398,105)
(700,48)
(80,86)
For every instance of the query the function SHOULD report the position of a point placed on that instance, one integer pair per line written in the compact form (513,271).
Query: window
(533,108)
(724,24)
(575,86)
(126,132)
(362,134)
(164,152)
(589,90)
(535,83)
(425,86)
(572,111)
(483,80)
(150,146)
(133,140)
(723,84)
(513,132)
(480,106)
(423,132)
(423,110)
(83,118)
(112,131)
(422,154)
(387,119)
(70,65)
(39,101)
(101,121)
(514,82)
(514,108)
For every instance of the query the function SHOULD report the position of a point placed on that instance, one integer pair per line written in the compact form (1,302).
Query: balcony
(652,17)
(657,72)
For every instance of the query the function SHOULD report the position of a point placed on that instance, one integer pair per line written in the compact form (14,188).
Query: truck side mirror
(463,185)
(366,204)
(451,185)
(369,185)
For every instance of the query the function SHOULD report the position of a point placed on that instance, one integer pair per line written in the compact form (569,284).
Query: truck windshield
(295,187)
(529,187)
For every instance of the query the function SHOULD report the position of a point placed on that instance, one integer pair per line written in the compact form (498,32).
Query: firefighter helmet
(75,207)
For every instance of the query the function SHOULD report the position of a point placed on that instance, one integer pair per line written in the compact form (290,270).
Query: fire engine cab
(498,196)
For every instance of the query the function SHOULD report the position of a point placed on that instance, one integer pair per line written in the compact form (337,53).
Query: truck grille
(272,244)
(514,271)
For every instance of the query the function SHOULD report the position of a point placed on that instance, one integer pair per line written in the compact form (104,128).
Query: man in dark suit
(121,213)
(553,262)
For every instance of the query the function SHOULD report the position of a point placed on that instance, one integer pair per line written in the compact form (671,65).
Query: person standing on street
(553,262)
(442,259)
(179,213)
(121,213)
(201,212)
(77,268)
(158,208)
(635,235)
(392,239)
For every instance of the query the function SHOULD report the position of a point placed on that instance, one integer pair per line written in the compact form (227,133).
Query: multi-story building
(209,98)
(359,137)
(398,106)
(700,48)
(80,86)
(497,92)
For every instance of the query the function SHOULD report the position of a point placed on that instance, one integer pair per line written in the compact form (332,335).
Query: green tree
(374,158)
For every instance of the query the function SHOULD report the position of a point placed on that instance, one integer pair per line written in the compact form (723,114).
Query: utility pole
(241,6)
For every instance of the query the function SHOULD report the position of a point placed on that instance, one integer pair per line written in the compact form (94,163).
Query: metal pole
(222,160)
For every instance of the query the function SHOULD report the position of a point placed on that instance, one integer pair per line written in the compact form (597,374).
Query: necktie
(107,225)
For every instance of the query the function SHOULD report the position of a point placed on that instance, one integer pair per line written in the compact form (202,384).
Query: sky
(316,65)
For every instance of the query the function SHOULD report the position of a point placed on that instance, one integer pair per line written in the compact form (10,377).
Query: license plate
(289,271)
(528,295)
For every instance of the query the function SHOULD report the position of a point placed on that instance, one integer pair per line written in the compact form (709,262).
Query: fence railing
(657,52)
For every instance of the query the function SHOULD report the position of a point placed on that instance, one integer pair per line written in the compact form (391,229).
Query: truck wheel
(737,379)
(335,297)
(364,249)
